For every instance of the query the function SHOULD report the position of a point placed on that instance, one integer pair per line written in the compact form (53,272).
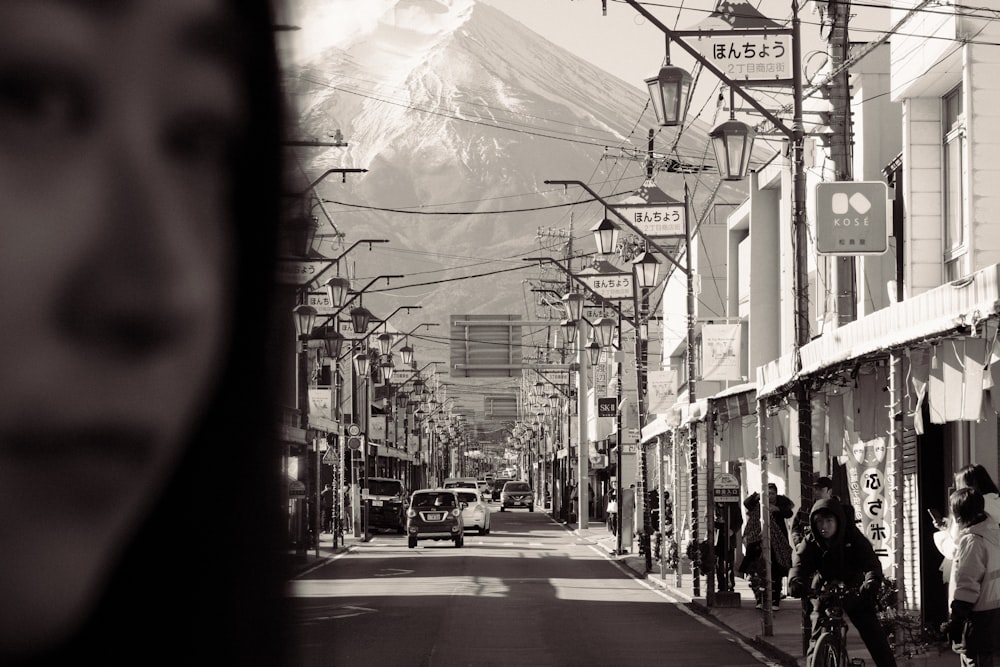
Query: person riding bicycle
(834,551)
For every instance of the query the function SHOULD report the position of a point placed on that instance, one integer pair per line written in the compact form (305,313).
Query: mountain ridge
(460,113)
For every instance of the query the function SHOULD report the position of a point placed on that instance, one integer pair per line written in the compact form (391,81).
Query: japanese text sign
(655,219)
(609,286)
(750,57)
(851,218)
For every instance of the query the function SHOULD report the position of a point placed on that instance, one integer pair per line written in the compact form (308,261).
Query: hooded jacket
(975,575)
(847,557)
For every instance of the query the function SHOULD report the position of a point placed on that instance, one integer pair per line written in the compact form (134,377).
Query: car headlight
(411,513)
(456,512)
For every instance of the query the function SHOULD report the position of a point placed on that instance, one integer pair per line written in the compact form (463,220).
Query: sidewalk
(783,644)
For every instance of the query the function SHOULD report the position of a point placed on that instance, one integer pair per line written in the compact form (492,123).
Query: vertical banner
(601,379)
(661,391)
(720,352)
(321,403)
(867,480)
(377,428)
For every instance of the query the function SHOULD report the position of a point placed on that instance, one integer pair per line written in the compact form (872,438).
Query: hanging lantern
(668,92)
(733,143)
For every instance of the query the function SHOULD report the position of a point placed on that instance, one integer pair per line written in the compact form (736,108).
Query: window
(956,255)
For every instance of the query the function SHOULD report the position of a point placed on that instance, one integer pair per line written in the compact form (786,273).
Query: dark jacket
(847,557)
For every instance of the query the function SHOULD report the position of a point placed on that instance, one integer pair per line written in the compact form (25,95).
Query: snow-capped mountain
(460,113)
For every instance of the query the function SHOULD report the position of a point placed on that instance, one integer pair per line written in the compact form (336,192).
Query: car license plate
(434,516)
(517,502)
(376,503)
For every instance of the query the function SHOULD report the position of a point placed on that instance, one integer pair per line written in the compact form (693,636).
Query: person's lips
(82,468)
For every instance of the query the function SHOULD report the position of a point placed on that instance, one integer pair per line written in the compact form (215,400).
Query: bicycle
(830,649)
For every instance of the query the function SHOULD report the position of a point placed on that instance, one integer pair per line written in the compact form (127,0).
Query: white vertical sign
(661,391)
(720,352)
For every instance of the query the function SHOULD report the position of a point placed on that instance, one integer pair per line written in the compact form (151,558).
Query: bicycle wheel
(826,653)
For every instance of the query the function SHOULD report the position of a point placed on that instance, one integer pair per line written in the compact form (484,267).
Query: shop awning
(935,312)
(661,424)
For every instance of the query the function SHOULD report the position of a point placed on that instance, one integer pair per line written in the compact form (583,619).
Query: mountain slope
(460,114)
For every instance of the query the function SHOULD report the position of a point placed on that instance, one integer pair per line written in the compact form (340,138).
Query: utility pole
(841,146)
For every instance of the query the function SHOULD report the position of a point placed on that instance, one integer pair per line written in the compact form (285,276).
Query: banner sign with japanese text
(867,483)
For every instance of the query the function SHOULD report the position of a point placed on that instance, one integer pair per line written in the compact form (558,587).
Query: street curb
(637,568)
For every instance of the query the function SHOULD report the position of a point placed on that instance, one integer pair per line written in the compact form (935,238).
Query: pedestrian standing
(779,509)
(976,477)
(974,586)
(727,527)
(612,511)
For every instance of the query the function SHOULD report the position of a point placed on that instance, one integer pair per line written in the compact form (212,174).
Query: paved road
(530,593)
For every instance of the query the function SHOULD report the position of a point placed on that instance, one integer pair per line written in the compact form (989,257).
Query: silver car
(475,510)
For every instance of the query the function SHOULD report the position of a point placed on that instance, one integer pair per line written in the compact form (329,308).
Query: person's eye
(201,139)
(38,106)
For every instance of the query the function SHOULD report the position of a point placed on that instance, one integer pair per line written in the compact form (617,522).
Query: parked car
(498,486)
(475,510)
(387,504)
(434,514)
(517,494)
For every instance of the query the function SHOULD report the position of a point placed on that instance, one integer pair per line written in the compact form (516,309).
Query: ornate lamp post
(795,135)
(573,302)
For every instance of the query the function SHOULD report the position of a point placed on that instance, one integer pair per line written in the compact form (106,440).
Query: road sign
(655,219)
(330,457)
(727,488)
(296,489)
(354,442)
(353,429)
(852,217)
(609,285)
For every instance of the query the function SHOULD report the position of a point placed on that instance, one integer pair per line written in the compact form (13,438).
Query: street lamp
(605,236)
(406,355)
(645,267)
(795,134)
(645,270)
(360,318)
(733,145)
(337,289)
(304,317)
(668,91)
(573,302)
(384,341)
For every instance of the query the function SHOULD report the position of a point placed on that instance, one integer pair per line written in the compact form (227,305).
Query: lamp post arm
(417,373)
(551,383)
(389,317)
(611,207)
(600,299)
(336,260)
(356,295)
(674,36)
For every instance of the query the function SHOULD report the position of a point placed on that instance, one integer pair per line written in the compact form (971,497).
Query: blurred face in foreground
(115,118)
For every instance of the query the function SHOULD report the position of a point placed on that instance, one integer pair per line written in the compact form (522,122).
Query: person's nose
(135,289)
